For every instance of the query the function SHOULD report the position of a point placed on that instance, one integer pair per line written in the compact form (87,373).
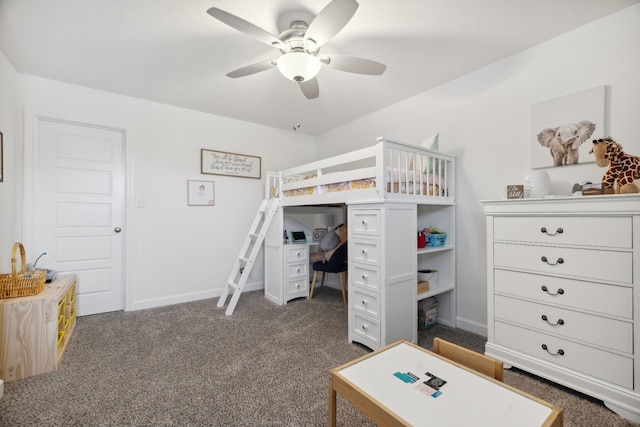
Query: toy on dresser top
(623,168)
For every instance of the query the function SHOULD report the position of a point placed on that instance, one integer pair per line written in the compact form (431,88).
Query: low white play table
(388,385)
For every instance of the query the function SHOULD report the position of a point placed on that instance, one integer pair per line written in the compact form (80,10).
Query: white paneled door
(80,209)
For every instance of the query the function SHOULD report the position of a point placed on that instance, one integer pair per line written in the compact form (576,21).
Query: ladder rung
(244,259)
(254,235)
(233,285)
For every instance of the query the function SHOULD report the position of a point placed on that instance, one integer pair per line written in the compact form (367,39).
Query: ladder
(250,248)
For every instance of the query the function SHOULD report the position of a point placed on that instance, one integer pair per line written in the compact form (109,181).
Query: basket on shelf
(435,240)
(24,283)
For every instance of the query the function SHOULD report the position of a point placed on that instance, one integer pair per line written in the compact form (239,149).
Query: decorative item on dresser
(563,298)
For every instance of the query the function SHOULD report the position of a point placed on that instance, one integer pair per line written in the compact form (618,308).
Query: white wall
(484,118)
(175,252)
(8,127)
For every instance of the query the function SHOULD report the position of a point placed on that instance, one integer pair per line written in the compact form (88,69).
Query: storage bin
(435,240)
(422,241)
(428,275)
(427,313)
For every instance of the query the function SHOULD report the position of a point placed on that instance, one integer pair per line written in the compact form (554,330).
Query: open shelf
(436,290)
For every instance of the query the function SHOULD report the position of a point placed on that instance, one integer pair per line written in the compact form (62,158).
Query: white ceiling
(173,52)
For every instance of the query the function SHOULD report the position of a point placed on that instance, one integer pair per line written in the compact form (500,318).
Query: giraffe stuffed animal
(623,168)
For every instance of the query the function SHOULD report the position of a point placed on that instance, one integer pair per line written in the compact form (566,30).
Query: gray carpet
(190,365)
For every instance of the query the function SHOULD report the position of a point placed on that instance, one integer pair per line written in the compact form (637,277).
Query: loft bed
(388,171)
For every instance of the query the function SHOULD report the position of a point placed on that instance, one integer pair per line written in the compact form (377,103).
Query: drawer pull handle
(298,254)
(364,251)
(364,302)
(364,222)
(560,322)
(298,270)
(559,230)
(364,277)
(545,289)
(558,261)
(364,327)
(560,352)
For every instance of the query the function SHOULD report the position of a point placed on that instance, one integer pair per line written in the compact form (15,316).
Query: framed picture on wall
(1,158)
(231,164)
(200,193)
(563,128)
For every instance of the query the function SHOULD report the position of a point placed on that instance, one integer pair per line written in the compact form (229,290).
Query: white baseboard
(471,326)
(195,296)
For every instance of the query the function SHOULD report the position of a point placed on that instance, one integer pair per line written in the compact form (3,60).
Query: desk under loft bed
(391,190)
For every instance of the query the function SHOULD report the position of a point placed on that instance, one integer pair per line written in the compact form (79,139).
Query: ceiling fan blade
(246,27)
(330,21)
(310,88)
(252,69)
(351,64)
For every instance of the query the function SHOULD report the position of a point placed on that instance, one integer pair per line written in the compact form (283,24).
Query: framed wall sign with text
(231,164)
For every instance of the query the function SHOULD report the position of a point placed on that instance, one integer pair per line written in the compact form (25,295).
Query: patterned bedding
(429,183)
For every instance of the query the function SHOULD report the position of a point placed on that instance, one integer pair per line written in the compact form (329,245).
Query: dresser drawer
(591,264)
(295,252)
(613,232)
(601,364)
(366,302)
(366,277)
(366,330)
(366,251)
(589,296)
(299,287)
(599,331)
(365,222)
(295,270)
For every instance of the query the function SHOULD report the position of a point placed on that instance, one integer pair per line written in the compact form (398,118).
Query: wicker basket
(24,283)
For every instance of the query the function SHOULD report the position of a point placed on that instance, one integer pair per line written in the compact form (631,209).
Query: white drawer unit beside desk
(287,271)
(564,291)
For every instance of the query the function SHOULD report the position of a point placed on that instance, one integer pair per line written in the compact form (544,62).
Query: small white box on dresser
(564,293)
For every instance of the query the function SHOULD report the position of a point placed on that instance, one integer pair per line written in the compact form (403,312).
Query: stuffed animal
(623,168)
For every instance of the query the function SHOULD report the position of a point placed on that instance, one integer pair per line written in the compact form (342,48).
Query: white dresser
(563,279)
(382,273)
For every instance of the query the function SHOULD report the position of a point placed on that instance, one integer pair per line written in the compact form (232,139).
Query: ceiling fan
(300,46)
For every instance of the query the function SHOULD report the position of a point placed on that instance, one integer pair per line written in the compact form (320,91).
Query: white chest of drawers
(382,274)
(563,279)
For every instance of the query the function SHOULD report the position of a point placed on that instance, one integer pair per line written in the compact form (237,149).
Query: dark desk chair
(336,264)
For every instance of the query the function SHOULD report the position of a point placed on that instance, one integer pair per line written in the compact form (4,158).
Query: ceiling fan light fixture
(299,66)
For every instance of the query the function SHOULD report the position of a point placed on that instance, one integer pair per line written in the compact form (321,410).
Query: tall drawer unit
(564,290)
(382,273)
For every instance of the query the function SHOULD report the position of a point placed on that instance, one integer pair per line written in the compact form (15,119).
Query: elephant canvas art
(560,126)
(564,141)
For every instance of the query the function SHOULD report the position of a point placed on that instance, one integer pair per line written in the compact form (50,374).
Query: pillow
(329,241)
(432,143)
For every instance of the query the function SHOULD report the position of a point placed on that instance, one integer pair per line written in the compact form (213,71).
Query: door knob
(117,229)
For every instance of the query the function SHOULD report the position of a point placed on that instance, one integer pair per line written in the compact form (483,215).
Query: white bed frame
(395,168)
